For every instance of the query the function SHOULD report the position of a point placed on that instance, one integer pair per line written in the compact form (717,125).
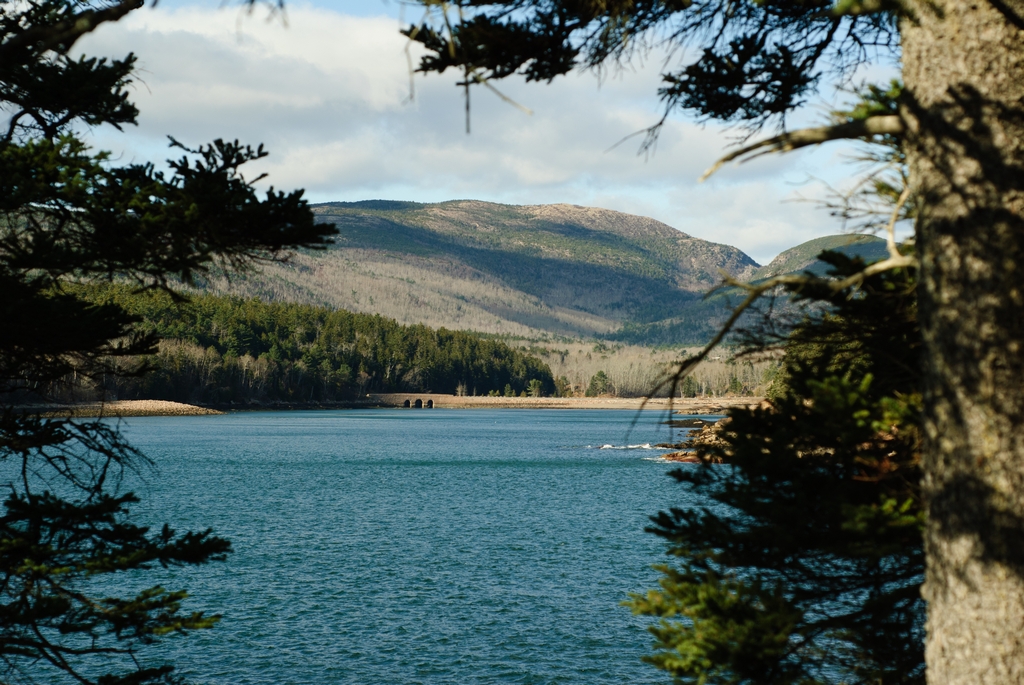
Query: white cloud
(328,94)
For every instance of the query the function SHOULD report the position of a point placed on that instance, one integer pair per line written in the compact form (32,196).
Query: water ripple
(414,547)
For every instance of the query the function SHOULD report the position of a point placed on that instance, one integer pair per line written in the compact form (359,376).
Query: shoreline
(120,409)
(135,408)
(689,405)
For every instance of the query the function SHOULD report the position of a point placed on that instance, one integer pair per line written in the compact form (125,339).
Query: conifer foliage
(734,61)
(221,350)
(68,213)
(806,565)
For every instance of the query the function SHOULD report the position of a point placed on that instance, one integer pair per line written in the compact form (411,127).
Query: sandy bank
(127,408)
(682,406)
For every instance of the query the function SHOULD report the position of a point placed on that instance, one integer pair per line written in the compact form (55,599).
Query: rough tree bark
(963,67)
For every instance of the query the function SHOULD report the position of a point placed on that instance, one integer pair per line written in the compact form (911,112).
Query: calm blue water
(413,546)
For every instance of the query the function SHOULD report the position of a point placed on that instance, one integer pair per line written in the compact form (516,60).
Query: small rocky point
(709,435)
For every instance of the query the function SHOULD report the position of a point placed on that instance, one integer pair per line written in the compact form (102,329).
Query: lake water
(413,546)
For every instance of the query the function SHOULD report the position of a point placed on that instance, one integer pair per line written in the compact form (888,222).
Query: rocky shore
(707,435)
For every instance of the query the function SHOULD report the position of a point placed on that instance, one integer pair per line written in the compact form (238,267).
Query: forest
(221,350)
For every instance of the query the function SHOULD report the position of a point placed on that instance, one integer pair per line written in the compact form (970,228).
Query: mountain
(526,271)
(804,257)
(503,269)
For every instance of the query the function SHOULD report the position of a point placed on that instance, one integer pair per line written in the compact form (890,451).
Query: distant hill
(526,271)
(707,315)
(804,257)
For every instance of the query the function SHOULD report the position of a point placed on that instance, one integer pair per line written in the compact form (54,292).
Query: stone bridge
(411,400)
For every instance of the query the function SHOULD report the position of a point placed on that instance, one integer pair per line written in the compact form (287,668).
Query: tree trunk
(963,67)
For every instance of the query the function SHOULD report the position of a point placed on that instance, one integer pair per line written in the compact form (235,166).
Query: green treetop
(69,214)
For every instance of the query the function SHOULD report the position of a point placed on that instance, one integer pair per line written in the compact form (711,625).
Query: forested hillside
(526,271)
(222,349)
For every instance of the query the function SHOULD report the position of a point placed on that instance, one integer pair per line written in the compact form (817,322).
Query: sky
(327,89)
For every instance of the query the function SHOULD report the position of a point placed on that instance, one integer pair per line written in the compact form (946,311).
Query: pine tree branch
(756,290)
(486,82)
(889,124)
(63,34)
(890,229)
